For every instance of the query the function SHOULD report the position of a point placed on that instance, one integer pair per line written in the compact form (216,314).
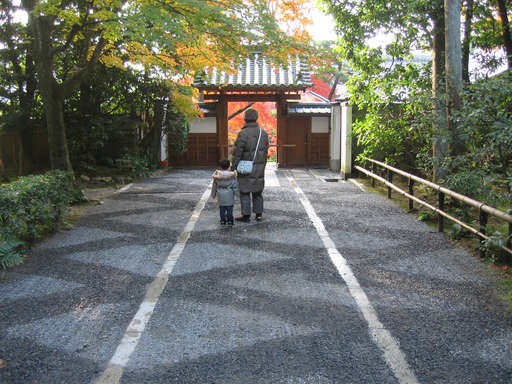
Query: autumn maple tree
(169,38)
(266,119)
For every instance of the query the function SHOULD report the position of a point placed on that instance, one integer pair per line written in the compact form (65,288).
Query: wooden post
(308,140)
(484,216)
(222,128)
(374,169)
(390,179)
(281,130)
(411,192)
(507,257)
(440,218)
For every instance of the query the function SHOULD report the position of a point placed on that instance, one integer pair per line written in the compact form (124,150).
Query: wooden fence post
(440,218)
(390,179)
(374,169)
(411,192)
(506,256)
(483,223)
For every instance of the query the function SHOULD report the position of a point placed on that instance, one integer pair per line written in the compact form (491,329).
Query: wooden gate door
(296,145)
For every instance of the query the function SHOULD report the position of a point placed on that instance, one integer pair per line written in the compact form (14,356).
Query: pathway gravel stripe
(271,179)
(358,185)
(131,338)
(393,355)
(125,188)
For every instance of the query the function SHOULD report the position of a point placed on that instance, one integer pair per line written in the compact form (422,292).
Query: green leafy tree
(485,170)
(491,31)
(386,77)
(377,86)
(19,110)
(17,72)
(169,39)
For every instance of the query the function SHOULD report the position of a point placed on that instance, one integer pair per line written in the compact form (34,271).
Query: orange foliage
(266,120)
(293,16)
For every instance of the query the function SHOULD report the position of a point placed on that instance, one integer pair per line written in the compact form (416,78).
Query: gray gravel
(256,303)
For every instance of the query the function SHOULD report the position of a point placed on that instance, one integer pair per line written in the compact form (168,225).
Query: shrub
(35,205)
(11,251)
(136,165)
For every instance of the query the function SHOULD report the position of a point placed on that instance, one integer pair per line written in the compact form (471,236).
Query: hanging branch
(240,110)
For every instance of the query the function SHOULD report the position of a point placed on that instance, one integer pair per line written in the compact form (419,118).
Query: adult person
(251,186)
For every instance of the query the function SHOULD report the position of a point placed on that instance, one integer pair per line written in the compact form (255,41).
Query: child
(225,187)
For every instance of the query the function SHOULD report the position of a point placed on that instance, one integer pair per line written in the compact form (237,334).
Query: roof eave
(249,87)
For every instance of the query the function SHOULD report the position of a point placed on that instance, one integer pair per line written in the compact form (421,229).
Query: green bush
(11,251)
(136,165)
(34,206)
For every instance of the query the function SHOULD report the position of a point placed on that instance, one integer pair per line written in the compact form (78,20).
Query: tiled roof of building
(320,87)
(301,108)
(257,73)
(208,109)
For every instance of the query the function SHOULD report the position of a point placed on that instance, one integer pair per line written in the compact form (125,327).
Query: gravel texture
(259,302)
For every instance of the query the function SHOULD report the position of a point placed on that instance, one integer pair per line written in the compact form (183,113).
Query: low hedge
(32,207)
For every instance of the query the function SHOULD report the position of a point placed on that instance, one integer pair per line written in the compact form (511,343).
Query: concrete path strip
(390,348)
(271,179)
(131,338)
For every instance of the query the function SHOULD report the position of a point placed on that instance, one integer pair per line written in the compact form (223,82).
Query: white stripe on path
(358,185)
(116,365)
(330,175)
(393,355)
(271,179)
(125,188)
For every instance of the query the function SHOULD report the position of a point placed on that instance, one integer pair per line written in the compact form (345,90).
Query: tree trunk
(505,25)
(51,95)
(466,44)
(27,102)
(57,141)
(439,125)
(453,73)
(333,88)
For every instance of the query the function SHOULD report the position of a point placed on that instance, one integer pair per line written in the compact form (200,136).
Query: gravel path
(335,285)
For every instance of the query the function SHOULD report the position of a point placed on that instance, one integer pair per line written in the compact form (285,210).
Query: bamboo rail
(483,209)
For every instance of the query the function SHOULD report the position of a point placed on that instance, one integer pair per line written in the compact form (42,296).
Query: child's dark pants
(226,213)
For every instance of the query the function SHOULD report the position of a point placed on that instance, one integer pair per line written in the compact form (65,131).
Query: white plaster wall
(320,125)
(346,140)
(335,138)
(206,125)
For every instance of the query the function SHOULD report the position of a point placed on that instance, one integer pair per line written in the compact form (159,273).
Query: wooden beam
(253,97)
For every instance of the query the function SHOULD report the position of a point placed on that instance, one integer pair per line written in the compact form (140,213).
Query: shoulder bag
(244,167)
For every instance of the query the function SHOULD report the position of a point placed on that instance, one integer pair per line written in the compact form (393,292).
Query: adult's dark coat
(245,145)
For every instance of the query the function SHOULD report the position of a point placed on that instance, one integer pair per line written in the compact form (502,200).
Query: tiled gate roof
(294,108)
(309,109)
(258,73)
